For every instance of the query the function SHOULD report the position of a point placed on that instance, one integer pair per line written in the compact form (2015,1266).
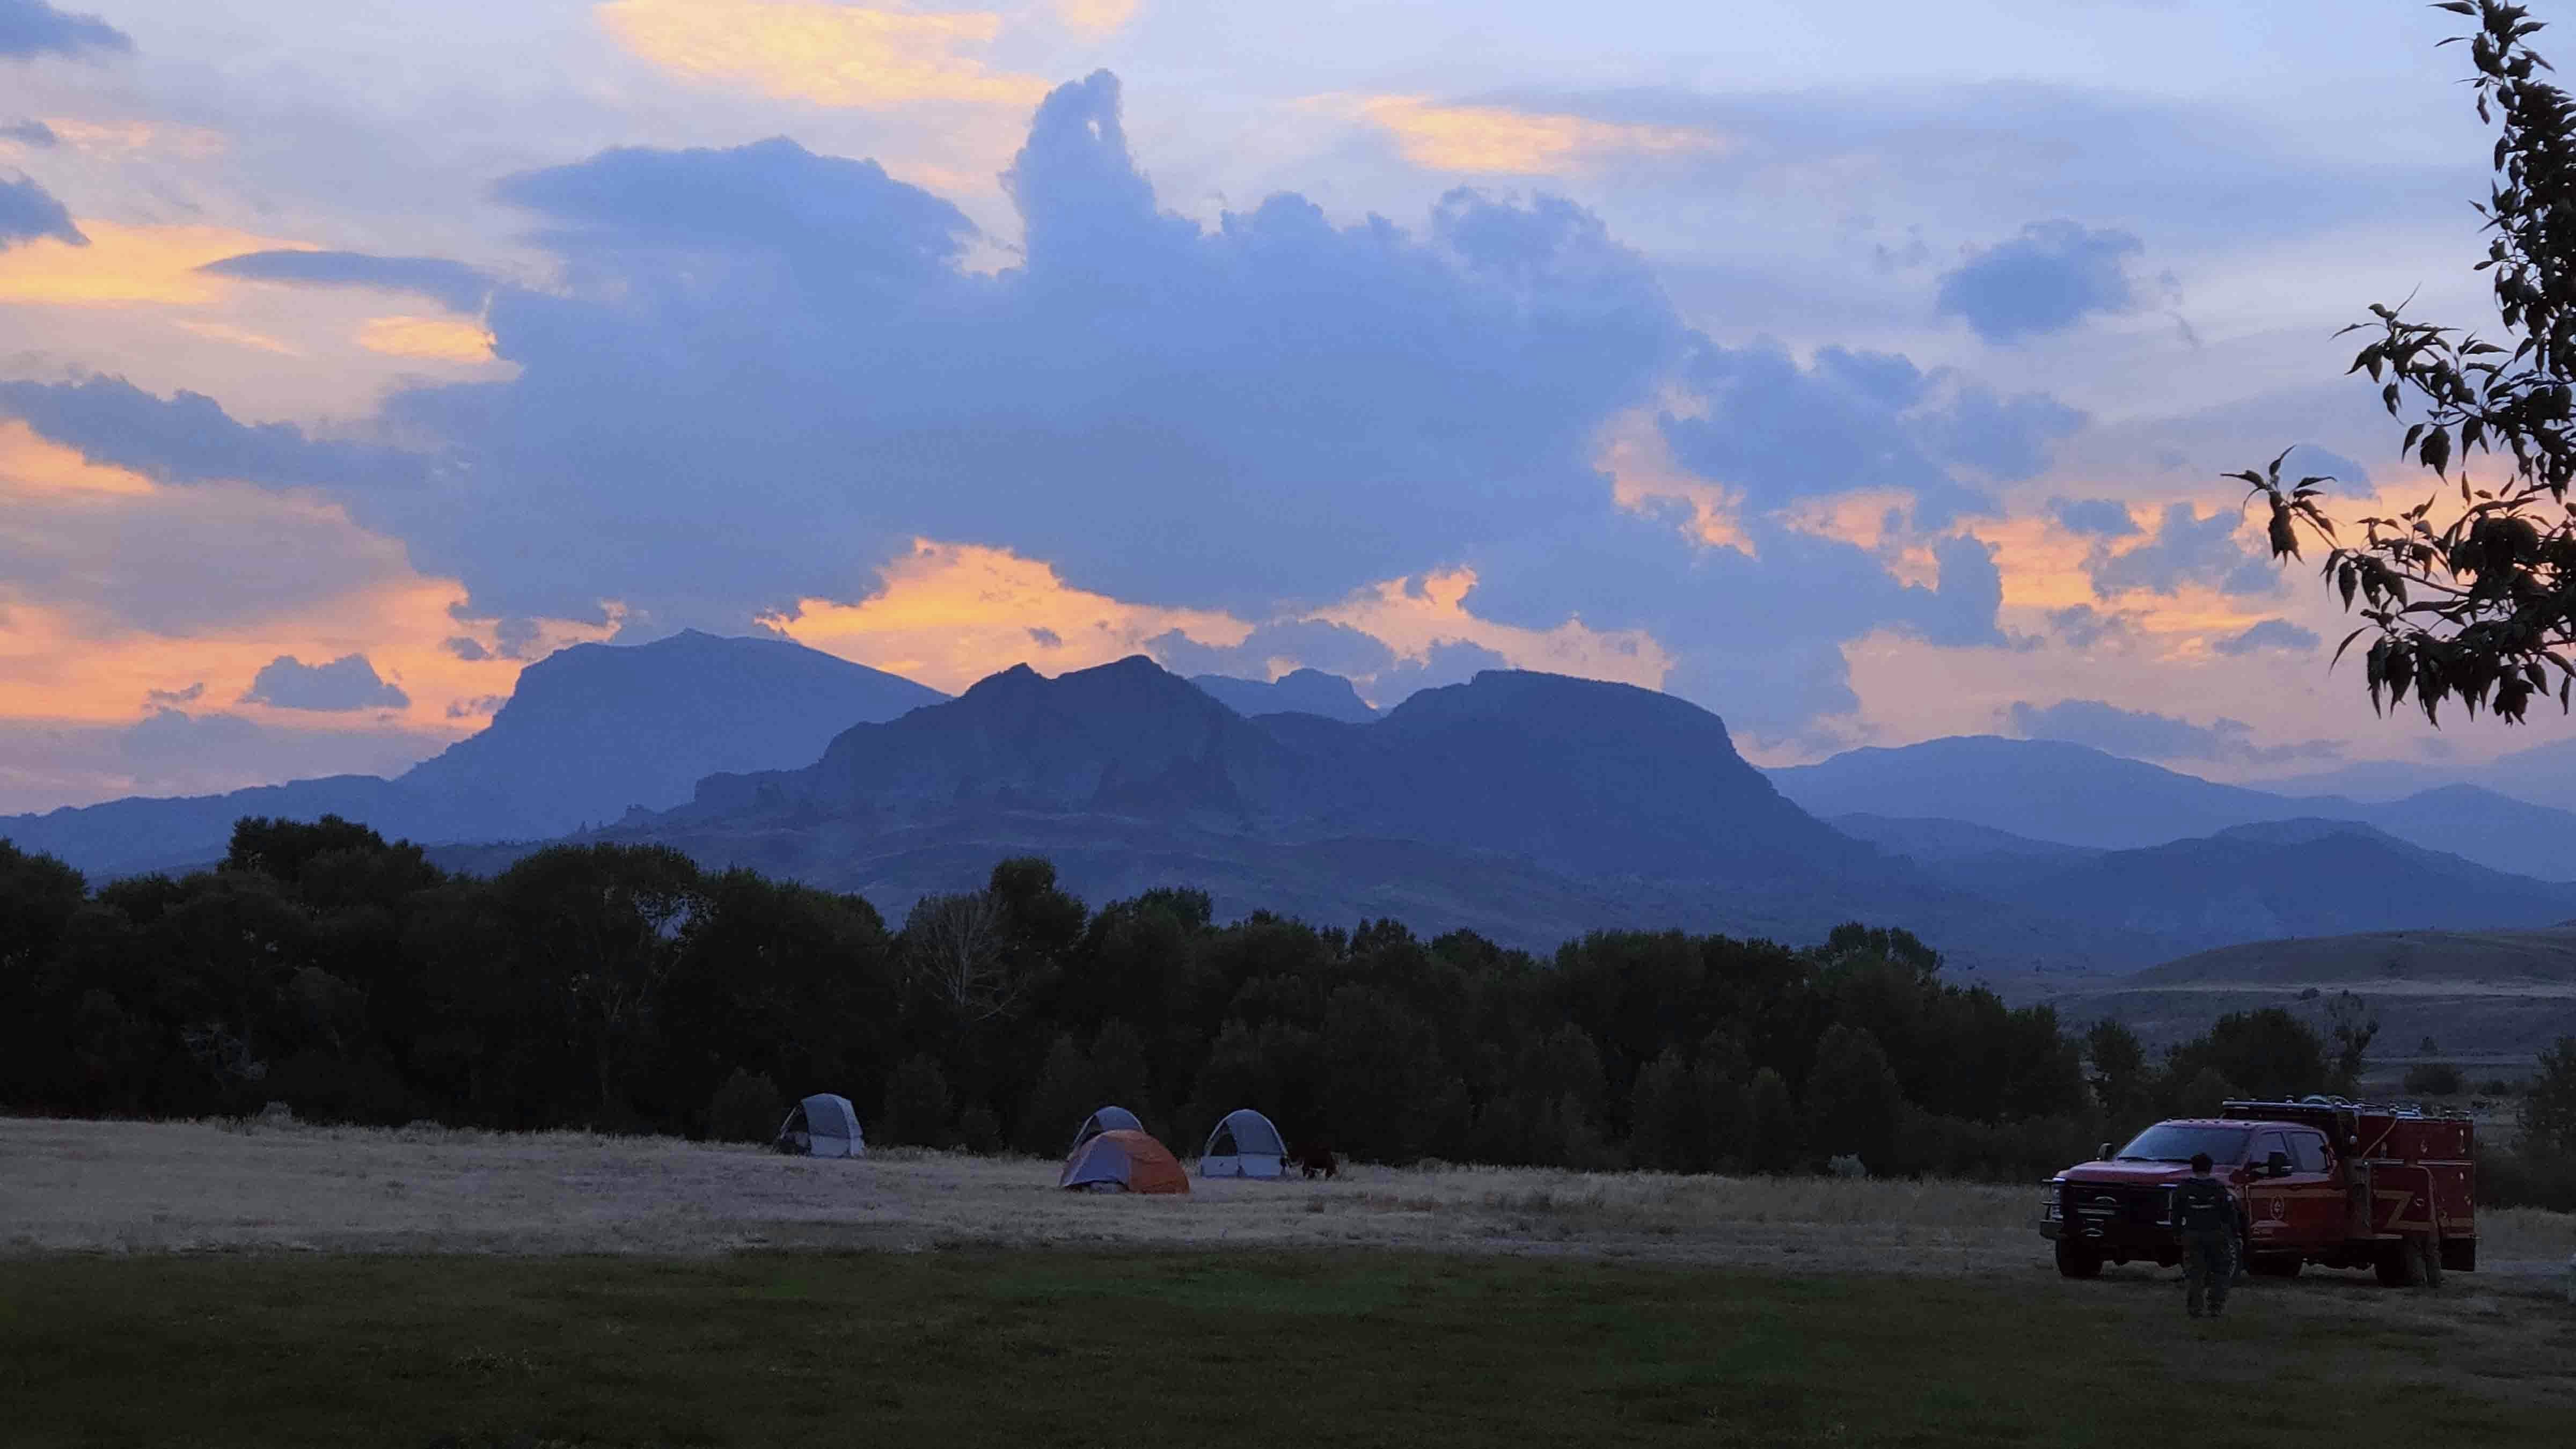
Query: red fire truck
(2320,1180)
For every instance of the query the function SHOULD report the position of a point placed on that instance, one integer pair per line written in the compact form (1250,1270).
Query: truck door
(2269,1200)
(2317,1208)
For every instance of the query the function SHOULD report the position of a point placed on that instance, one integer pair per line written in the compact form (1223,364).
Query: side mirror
(2279,1166)
(2103,1153)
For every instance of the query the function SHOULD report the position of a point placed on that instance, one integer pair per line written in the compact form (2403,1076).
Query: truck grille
(2095,1205)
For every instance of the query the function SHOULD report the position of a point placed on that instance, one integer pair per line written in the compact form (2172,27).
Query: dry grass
(129,1187)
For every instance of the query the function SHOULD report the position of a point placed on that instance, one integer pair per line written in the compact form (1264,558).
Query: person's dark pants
(2208,1266)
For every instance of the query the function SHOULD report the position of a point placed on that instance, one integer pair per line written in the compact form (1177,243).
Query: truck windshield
(2173,1142)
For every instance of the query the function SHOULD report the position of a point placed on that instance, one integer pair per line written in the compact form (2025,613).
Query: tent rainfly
(823,1125)
(1122,1160)
(1107,1119)
(1244,1145)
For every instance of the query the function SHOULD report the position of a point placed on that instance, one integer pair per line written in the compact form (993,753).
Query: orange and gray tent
(1107,1119)
(1245,1144)
(1123,1160)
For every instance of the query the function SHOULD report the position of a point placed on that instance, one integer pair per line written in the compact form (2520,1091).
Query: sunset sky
(1862,372)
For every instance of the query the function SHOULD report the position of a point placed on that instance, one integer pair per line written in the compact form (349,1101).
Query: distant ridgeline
(1527,808)
(622,986)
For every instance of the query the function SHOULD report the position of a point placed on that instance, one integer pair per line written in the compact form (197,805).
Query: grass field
(1361,1347)
(210,1285)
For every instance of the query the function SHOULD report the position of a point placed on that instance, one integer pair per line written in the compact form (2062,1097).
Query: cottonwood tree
(2473,601)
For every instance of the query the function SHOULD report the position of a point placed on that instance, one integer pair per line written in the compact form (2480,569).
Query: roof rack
(2314,1101)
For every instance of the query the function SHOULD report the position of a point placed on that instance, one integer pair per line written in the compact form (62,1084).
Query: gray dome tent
(1245,1144)
(823,1125)
(1107,1119)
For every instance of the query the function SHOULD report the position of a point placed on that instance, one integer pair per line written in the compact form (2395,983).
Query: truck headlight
(2052,1209)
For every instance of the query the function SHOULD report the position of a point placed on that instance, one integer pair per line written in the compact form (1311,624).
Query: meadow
(227,1284)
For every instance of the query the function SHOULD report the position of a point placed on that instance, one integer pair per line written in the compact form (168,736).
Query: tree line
(624,988)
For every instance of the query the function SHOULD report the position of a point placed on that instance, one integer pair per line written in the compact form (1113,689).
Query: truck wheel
(2397,1263)
(2428,1262)
(2076,1261)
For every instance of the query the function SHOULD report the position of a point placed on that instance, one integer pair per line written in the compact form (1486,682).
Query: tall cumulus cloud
(763,372)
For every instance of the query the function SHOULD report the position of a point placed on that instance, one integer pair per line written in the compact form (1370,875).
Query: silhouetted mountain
(1570,774)
(2074,795)
(1300,691)
(2041,789)
(2289,878)
(1971,857)
(596,729)
(588,733)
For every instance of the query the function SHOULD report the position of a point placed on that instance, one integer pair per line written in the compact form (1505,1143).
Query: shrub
(979,1131)
(2432,1079)
(919,1108)
(746,1108)
(2528,1178)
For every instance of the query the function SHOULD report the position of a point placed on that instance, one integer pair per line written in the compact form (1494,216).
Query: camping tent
(1244,1145)
(1107,1119)
(1122,1159)
(823,1125)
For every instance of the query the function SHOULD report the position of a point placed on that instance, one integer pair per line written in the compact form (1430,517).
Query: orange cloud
(947,614)
(1095,17)
(238,336)
(69,654)
(122,140)
(1500,140)
(124,265)
(832,55)
(435,339)
(1412,615)
(1632,450)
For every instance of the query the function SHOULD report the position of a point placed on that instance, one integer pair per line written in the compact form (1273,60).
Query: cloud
(1095,17)
(431,339)
(28,212)
(1294,644)
(2101,517)
(2270,634)
(174,698)
(1450,661)
(1046,638)
(458,287)
(121,265)
(1854,422)
(2052,276)
(829,54)
(2082,626)
(2186,550)
(345,684)
(31,28)
(1501,140)
(30,132)
(189,438)
(2142,734)
(46,763)
(1394,427)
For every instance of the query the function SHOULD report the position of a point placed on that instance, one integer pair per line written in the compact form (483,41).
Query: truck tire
(2398,1264)
(2077,1261)
(2428,1262)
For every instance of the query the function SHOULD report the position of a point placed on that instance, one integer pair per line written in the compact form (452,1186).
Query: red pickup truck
(2325,1181)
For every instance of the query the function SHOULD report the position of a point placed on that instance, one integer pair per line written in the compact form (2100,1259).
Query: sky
(1862,373)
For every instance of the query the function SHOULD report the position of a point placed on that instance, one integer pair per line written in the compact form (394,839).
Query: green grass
(1038,1348)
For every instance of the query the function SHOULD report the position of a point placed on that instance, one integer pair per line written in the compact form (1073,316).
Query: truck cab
(2320,1180)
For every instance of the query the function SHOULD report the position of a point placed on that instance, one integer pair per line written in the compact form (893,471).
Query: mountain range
(2048,792)
(1529,807)
(590,732)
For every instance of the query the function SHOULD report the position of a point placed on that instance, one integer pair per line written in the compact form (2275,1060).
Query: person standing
(2206,1212)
